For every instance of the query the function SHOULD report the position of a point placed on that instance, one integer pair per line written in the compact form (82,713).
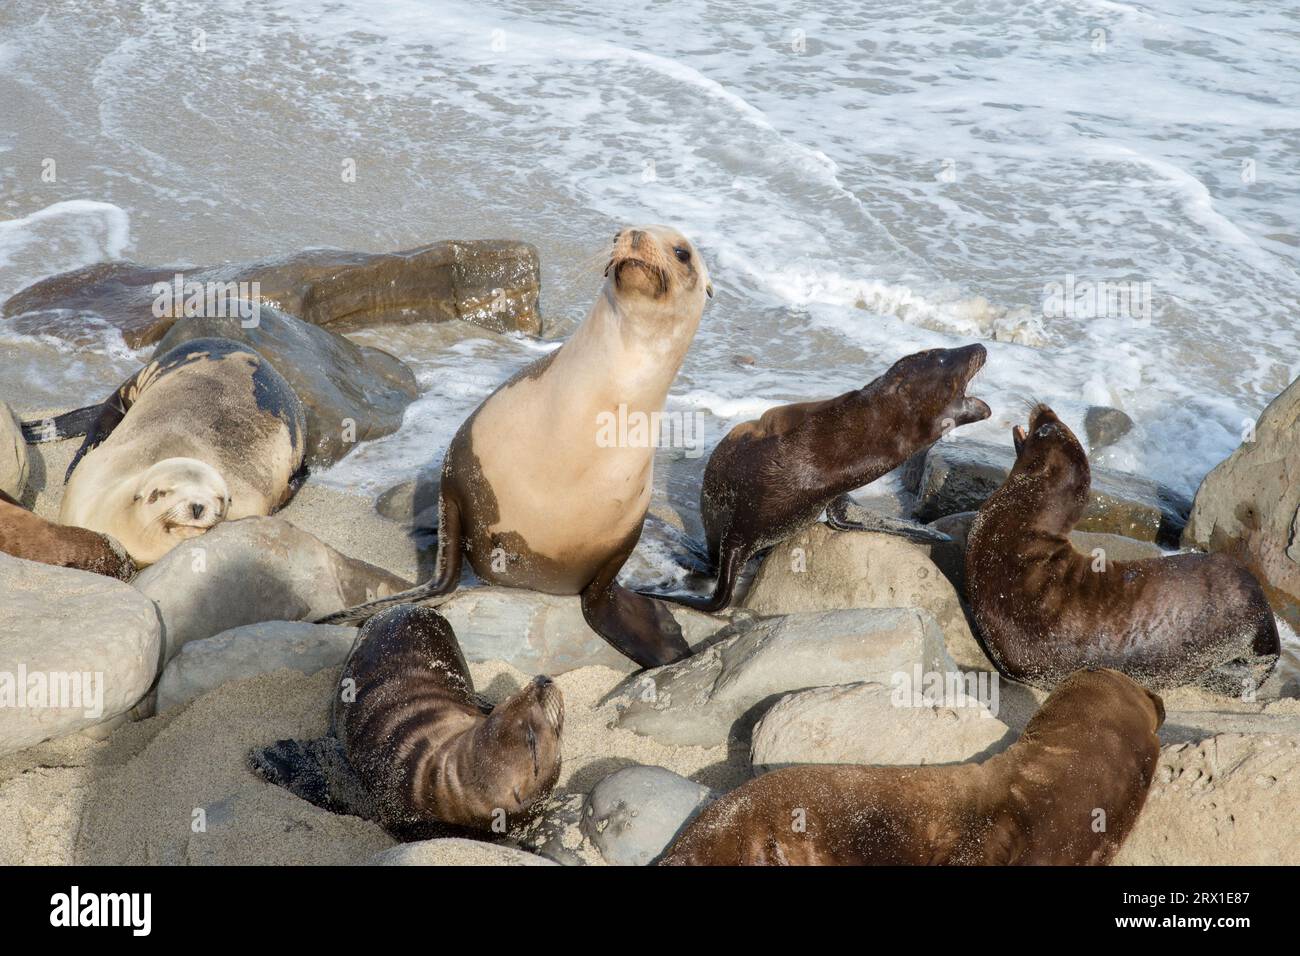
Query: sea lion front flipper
(840,510)
(316,771)
(733,559)
(637,626)
(296,481)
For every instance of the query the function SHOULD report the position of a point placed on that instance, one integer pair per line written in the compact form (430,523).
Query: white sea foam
(863,182)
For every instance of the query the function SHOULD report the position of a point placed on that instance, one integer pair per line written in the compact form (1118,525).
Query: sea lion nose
(196,509)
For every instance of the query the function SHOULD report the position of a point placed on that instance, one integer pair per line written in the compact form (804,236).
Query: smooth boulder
(958,476)
(718,693)
(492,283)
(883,724)
(254,570)
(1249,505)
(633,814)
(351,393)
(13,454)
(820,569)
(71,638)
(252,649)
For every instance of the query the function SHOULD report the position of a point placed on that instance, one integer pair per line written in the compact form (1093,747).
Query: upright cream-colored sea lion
(413,747)
(1067,792)
(207,432)
(535,494)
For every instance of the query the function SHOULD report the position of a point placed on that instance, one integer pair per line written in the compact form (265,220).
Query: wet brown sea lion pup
(208,431)
(768,478)
(24,534)
(1044,609)
(533,495)
(413,747)
(1066,793)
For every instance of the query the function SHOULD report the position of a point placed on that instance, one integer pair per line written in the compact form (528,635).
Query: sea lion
(208,431)
(25,534)
(533,494)
(768,478)
(1066,793)
(413,747)
(1044,609)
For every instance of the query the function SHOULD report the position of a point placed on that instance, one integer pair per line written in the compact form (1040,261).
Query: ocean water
(863,180)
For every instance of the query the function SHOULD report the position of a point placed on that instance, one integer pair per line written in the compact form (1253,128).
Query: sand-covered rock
(873,723)
(1249,505)
(820,569)
(545,633)
(958,475)
(633,814)
(492,283)
(720,692)
(351,393)
(454,851)
(13,454)
(254,570)
(76,650)
(252,649)
(1230,800)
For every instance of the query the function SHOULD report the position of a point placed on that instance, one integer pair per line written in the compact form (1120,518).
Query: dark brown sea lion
(24,534)
(1044,610)
(413,747)
(768,478)
(1067,793)
(535,494)
(206,432)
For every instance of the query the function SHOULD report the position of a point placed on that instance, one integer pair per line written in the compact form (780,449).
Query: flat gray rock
(252,649)
(880,724)
(720,692)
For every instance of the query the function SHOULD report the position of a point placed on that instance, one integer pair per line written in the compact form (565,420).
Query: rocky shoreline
(206,657)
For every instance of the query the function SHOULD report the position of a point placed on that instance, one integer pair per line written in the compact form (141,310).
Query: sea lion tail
(71,424)
(360,613)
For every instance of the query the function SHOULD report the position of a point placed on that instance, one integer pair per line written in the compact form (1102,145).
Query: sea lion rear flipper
(296,481)
(446,573)
(733,560)
(316,771)
(838,517)
(71,424)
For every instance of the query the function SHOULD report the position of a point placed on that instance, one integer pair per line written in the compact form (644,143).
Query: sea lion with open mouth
(768,478)
(413,747)
(1044,609)
(207,432)
(1066,793)
(530,492)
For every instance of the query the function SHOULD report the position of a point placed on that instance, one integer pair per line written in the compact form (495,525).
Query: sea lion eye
(683,255)
(156,494)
